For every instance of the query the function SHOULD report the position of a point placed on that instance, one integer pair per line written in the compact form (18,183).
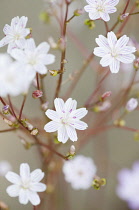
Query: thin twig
(22,106)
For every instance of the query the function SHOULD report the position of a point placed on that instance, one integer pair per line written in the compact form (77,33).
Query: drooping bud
(78,12)
(45,106)
(52,43)
(37,94)
(131,104)
(72,150)
(3,206)
(34,132)
(106,95)
(123,17)
(5,109)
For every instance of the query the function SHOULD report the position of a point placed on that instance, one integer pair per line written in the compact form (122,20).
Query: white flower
(131,104)
(13,82)
(5,166)
(26,185)
(128,187)
(66,119)
(114,51)
(101,8)
(79,172)
(15,34)
(34,58)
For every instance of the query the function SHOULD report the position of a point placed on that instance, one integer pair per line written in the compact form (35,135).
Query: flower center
(100,8)
(17,36)
(114,54)
(25,185)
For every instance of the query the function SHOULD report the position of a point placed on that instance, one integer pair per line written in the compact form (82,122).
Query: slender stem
(37,79)
(127,128)
(22,106)
(7,130)
(2,101)
(135,13)
(106,26)
(114,26)
(34,207)
(126,7)
(70,19)
(11,106)
(63,54)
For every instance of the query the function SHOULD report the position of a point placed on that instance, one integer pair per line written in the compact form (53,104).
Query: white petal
(51,126)
(112,39)
(7,29)
(11,46)
(127,50)
(79,113)
(80,125)
(100,51)
(70,105)
(18,54)
(13,190)
(126,58)
(13,177)
(71,133)
(4,41)
(30,44)
(105,16)
(111,10)
(21,43)
(43,48)
(114,66)
(40,68)
(59,104)
(24,171)
(122,41)
(91,2)
(102,42)
(52,114)
(14,21)
(94,15)
(37,187)
(112,3)
(106,60)
(34,198)
(47,59)
(62,134)
(37,175)
(89,8)
(23,196)
(23,21)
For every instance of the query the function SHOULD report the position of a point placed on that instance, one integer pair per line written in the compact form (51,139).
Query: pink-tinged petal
(14,22)
(127,50)
(23,22)
(34,198)
(51,126)
(24,171)
(106,60)
(37,175)
(25,32)
(122,42)
(59,104)
(79,113)
(11,46)
(7,29)
(13,190)
(111,3)
(40,68)
(126,58)
(53,115)
(111,10)
(47,59)
(4,41)
(102,42)
(89,8)
(94,15)
(100,51)
(23,196)
(105,16)
(37,187)
(18,54)
(112,39)
(115,66)
(13,177)
(43,48)
(71,133)
(30,44)
(80,125)
(62,134)
(70,105)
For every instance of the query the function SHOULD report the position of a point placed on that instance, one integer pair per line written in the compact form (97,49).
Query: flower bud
(78,12)
(3,206)
(5,109)
(72,150)
(37,94)
(52,43)
(53,72)
(131,104)
(89,23)
(106,95)
(98,182)
(44,17)
(136,64)
(123,17)
(34,132)
(45,106)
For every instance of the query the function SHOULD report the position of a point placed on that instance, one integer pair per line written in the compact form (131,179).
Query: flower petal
(111,3)
(122,42)
(43,48)
(13,177)
(71,133)
(100,51)
(62,134)
(18,54)
(111,10)
(24,171)
(4,41)
(79,113)
(126,58)
(37,175)
(30,44)
(13,190)
(53,115)
(102,42)
(105,16)
(33,198)
(51,126)
(106,60)
(7,29)
(47,59)
(89,8)
(80,125)
(70,105)
(23,22)
(40,68)
(127,50)
(23,196)
(37,187)
(59,104)
(94,15)
(115,66)
(112,39)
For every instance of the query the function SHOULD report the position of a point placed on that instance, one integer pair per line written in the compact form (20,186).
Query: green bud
(89,23)
(44,17)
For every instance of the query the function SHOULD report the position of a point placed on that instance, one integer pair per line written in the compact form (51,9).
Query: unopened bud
(44,17)
(61,43)
(106,95)
(98,183)
(53,72)
(72,150)
(34,132)
(123,17)
(45,106)
(89,23)
(3,206)
(52,43)
(8,122)
(5,109)
(37,94)
(136,64)
(131,104)
(119,123)
(78,12)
